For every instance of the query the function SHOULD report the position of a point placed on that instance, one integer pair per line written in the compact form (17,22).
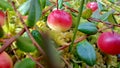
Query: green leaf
(96,14)
(1,32)
(43,3)
(76,26)
(25,44)
(86,52)
(112,19)
(105,16)
(24,8)
(87,13)
(60,4)
(68,4)
(48,3)
(5,5)
(88,28)
(38,38)
(35,13)
(112,1)
(100,7)
(25,63)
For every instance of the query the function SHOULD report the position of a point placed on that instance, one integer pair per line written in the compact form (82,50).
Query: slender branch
(57,4)
(66,62)
(39,58)
(11,40)
(40,65)
(15,53)
(27,30)
(66,0)
(45,11)
(71,9)
(76,41)
(117,14)
(97,20)
(106,23)
(77,23)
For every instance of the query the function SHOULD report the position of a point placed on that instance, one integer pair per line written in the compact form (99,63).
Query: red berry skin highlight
(92,5)
(2,18)
(5,61)
(109,43)
(59,20)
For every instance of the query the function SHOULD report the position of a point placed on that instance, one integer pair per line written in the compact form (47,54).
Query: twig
(108,23)
(100,30)
(40,65)
(15,53)
(66,0)
(66,62)
(97,20)
(45,11)
(39,58)
(117,14)
(27,30)
(57,4)
(11,40)
(76,41)
(71,9)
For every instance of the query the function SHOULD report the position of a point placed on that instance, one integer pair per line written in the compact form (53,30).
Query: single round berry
(5,61)
(59,20)
(109,43)
(92,5)
(2,18)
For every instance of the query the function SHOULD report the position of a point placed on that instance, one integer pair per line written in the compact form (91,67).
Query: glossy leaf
(38,38)
(100,7)
(25,44)
(68,4)
(1,32)
(48,3)
(24,8)
(5,5)
(25,63)
(112,1)
(86,52)
(96,14)
(35,13)
(105,16)
(43,3)
(88,28)
(60,4)
(87,13)
(112,19)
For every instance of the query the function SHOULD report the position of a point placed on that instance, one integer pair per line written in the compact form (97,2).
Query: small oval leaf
(35,12)
(5,5)
(87,13)
(112,19)
(24,8)
(60,4)
(105,16)
(86,52)
(25,44)
(43,3)
(88,28)
(25,63)
(38,38)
